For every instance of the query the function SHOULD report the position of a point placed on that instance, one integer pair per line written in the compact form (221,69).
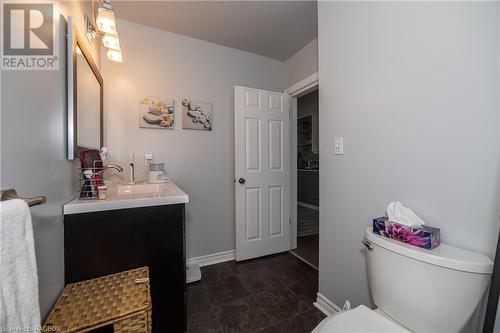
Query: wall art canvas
(196,115)
(156,112)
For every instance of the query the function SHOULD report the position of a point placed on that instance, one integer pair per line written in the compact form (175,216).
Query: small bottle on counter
(102,192)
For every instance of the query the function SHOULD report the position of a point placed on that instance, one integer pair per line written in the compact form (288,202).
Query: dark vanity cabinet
(105,242)
(308,186)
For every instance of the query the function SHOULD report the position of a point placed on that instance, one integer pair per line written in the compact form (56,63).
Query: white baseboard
(305,261)
(326,306)
(303,204)
(214,258)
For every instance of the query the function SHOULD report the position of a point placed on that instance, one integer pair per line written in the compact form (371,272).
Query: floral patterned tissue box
(425,237)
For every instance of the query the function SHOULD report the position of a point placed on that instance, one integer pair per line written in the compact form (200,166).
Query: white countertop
(169,194)
(309,170)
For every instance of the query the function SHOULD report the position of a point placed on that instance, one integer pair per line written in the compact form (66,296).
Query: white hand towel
(19,307)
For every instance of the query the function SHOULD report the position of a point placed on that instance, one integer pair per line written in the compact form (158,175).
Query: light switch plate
(338,146)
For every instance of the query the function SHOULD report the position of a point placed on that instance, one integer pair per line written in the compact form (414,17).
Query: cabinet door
(308,187)
(301,187)
(315,188)
(315,133)
(107,242)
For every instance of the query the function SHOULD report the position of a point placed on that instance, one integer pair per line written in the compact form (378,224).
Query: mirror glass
(88,104)
(85,96)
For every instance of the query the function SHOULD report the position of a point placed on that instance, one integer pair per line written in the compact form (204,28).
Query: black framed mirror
(85,96)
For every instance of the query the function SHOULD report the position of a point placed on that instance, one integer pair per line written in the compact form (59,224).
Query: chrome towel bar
(12,194)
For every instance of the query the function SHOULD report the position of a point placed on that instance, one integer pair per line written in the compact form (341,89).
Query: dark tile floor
(270,294)
(307,221)
(308,249)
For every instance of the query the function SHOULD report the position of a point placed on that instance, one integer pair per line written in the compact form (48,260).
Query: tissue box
(425,237)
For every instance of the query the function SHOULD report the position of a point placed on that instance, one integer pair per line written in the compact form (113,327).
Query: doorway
(306,142)
(267,168)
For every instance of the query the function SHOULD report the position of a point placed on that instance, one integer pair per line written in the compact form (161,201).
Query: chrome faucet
(112,166)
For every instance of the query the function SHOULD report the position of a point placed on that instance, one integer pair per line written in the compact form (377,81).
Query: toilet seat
(359,320)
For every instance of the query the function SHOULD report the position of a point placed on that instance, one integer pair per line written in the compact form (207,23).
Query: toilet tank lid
(444,255)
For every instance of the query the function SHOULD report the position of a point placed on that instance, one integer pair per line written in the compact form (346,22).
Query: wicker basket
(122,300)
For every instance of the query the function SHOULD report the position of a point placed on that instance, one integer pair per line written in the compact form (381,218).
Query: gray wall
(413,89)
(302,64)
(497,320)
(164,64)
(33,153)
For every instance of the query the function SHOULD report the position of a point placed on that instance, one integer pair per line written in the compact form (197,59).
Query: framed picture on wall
(196,115)
(156,112)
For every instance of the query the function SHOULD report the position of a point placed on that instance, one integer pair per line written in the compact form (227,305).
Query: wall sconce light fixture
(103,25)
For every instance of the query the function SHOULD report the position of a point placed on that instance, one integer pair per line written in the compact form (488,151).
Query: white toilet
(416,290)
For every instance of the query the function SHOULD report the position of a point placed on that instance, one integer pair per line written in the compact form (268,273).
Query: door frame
(297,90)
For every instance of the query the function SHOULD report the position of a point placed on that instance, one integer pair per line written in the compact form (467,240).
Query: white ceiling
(275,29)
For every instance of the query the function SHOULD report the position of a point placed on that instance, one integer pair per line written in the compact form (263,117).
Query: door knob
(241,180)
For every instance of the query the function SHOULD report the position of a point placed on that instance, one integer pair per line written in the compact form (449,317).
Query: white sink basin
(138,189)
(130,196)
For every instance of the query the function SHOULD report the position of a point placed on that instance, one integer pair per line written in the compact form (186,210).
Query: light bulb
(114,55)
(111,41)
(106,21)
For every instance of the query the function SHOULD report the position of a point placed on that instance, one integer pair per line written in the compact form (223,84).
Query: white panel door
(262,182)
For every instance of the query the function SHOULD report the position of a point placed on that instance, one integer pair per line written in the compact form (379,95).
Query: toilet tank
(426,290)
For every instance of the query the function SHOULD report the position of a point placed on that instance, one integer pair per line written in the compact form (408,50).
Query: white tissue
(397,212)
(104,153)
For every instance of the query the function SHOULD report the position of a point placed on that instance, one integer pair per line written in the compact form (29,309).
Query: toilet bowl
(416,290)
